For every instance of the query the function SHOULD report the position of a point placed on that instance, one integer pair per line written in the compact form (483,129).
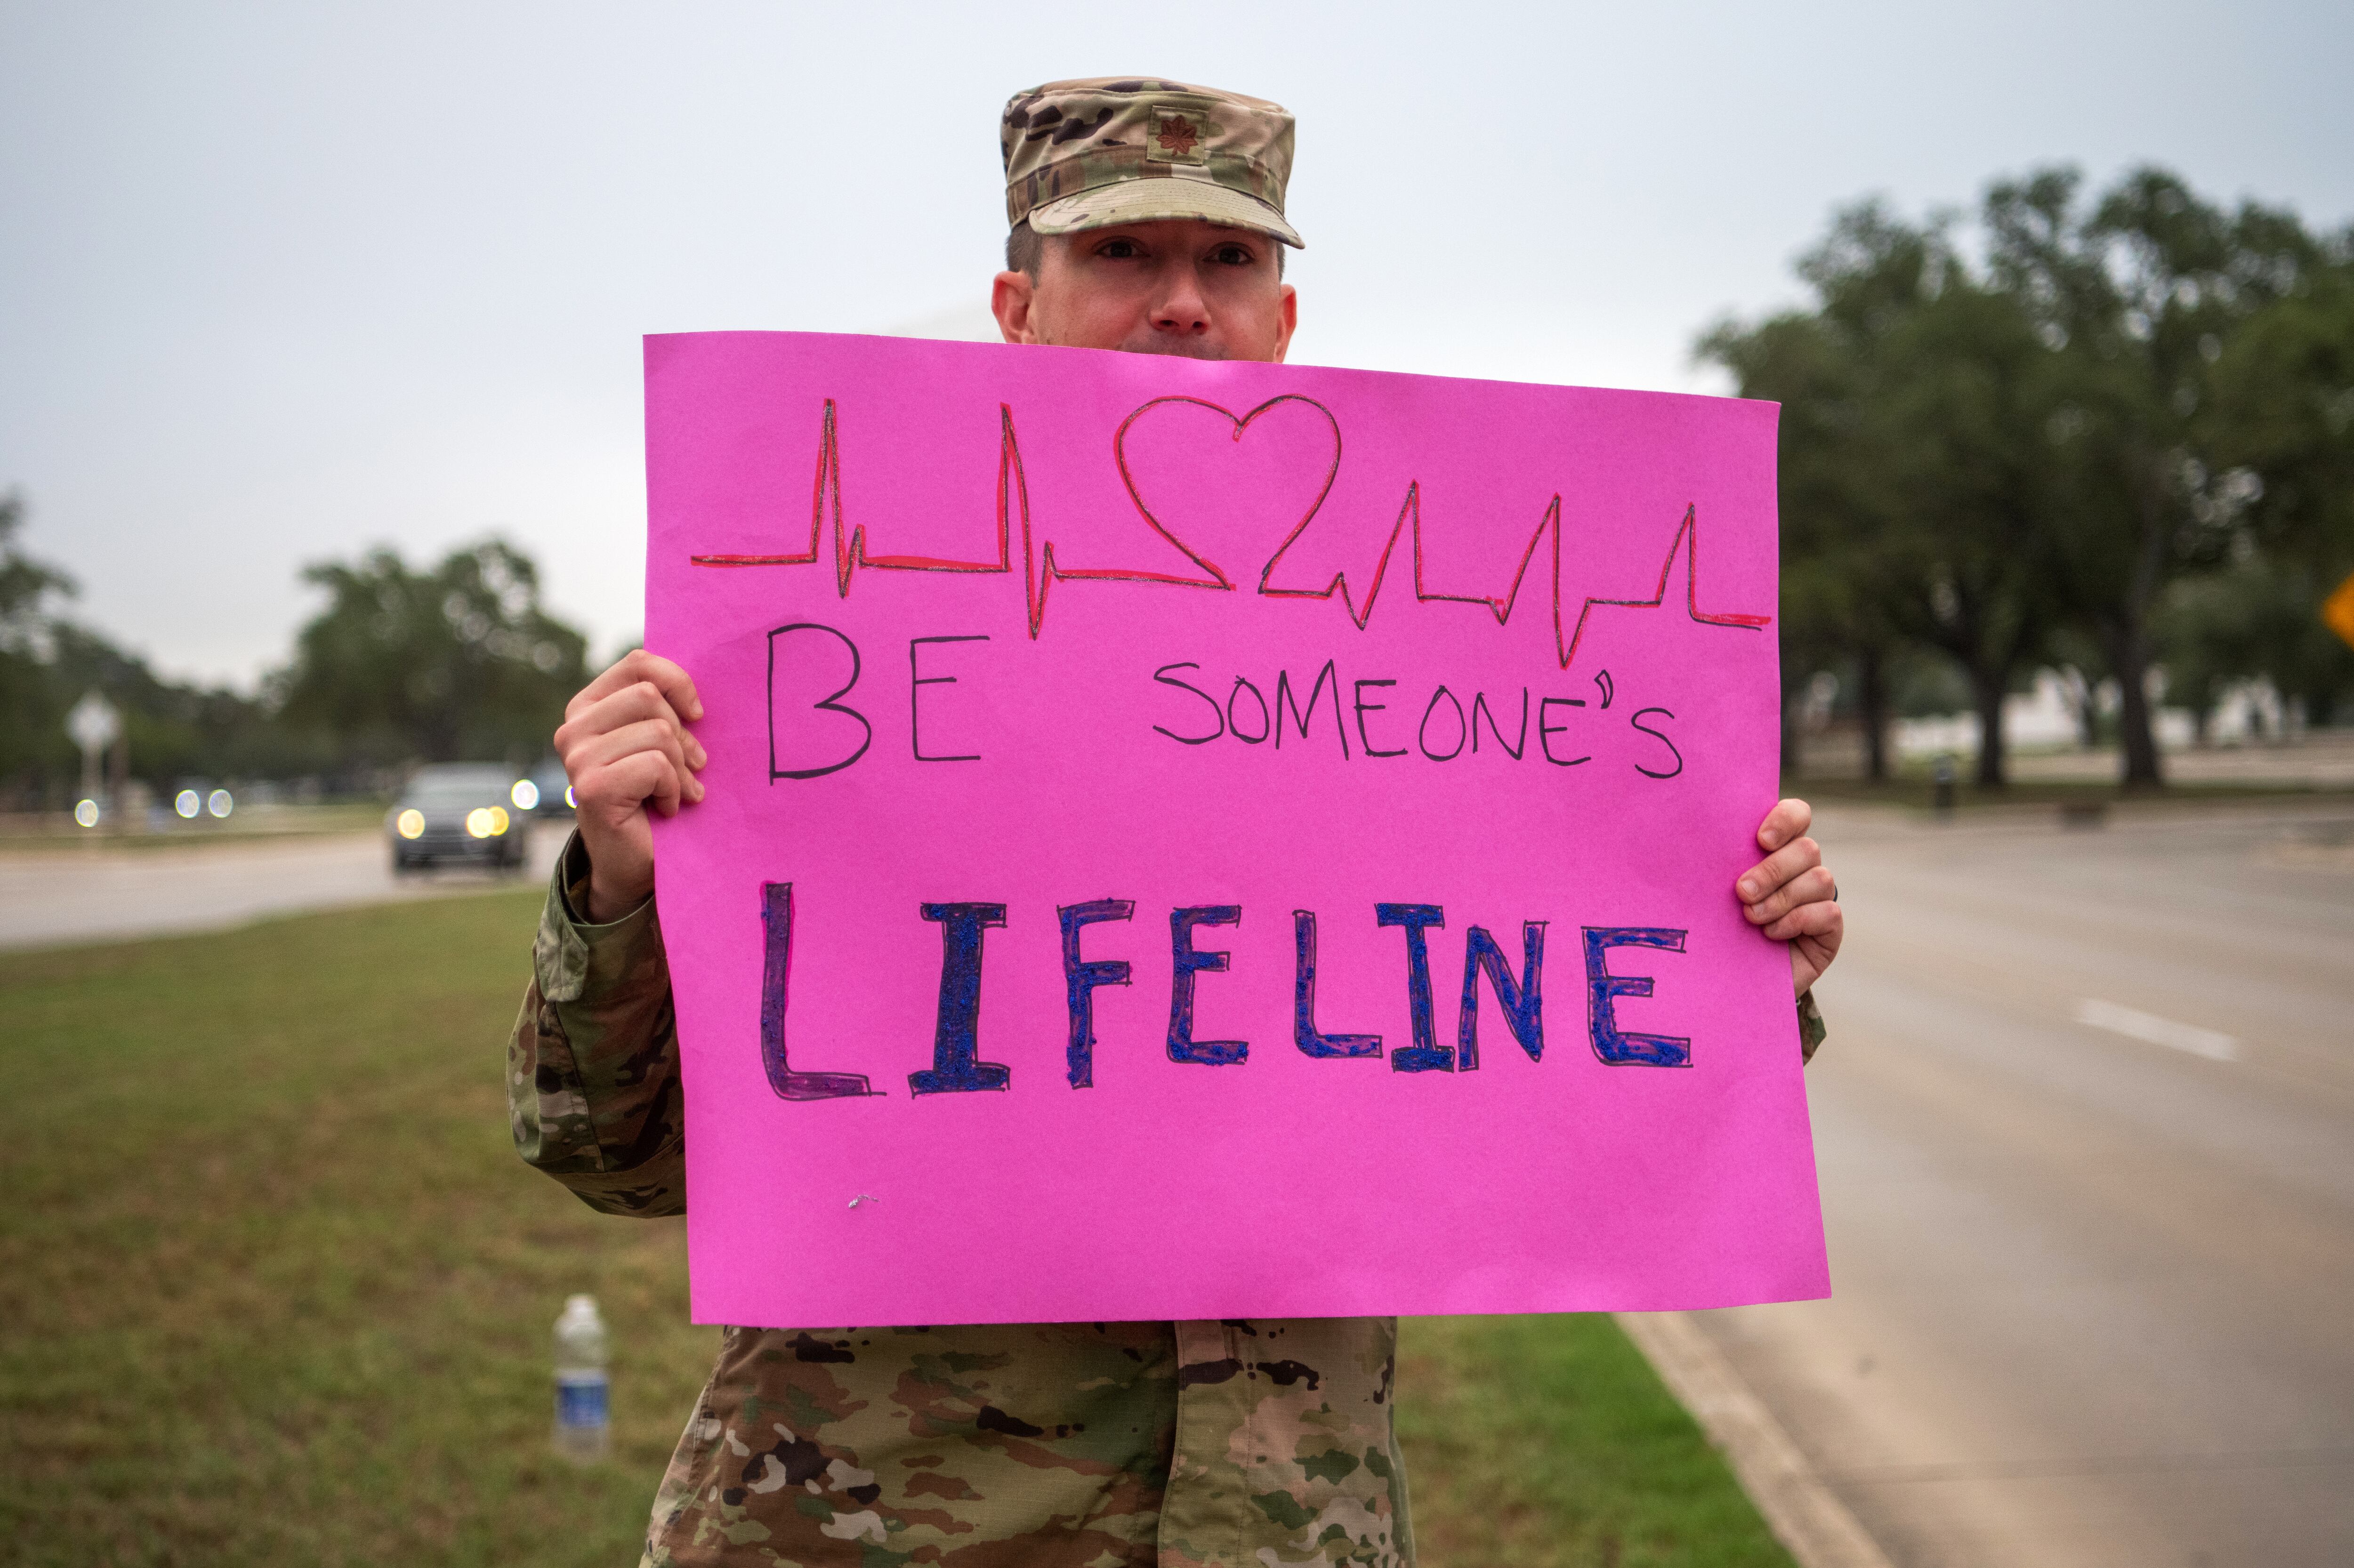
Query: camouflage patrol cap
(1081,154)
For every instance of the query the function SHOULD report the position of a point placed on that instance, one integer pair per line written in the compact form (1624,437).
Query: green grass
(1550,1443)
(274,1289)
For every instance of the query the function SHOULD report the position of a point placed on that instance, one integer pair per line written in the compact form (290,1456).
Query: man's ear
(1010,299)
(1290,322)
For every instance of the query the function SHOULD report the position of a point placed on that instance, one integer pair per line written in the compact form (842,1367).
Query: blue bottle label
(581,1399)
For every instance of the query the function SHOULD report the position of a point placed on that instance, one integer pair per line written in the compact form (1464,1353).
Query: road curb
(1798,1505)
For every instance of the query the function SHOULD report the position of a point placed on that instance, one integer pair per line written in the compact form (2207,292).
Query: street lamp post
(94,725)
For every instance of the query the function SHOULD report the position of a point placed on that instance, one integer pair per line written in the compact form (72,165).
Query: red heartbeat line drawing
(850,549)
(1040,570)
(1686,543)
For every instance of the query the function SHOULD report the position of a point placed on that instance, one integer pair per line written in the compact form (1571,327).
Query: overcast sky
(281,282)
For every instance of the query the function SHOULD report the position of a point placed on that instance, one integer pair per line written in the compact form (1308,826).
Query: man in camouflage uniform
(1146,216)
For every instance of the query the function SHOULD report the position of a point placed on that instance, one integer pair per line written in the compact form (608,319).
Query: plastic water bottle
(583,1413)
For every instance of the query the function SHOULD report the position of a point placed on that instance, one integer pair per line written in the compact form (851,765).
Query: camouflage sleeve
(592,1066)
(1811,1030)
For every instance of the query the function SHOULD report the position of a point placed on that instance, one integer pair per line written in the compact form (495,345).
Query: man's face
(1180,286)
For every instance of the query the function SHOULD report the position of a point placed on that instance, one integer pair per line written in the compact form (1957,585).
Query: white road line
(2157,1030)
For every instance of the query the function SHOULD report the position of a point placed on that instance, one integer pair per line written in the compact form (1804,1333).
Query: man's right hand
(625,748)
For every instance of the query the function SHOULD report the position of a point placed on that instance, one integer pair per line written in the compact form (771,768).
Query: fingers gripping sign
(626,750)
(1790,895)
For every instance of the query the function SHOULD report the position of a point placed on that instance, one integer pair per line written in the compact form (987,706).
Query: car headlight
(525,795)
(220,803)
(478,823)
(500,821)
(410,825)
(187,805)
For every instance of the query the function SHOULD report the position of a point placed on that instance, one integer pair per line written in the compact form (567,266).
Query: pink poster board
(1218,840)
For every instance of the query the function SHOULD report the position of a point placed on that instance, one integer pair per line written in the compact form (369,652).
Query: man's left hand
(1790,895)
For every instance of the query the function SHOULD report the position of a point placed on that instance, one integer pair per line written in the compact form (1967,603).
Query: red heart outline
(1241,423)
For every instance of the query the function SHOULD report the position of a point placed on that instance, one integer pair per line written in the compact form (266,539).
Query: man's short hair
(1025,249)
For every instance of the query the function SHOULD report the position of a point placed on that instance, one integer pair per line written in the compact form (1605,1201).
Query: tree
(2137,298)
(32,710)
(2283,400)
(171,730)
(1962,398)
(24,582)
(1909,505)
(2053,452)
(2217,628)
(1835,520)
(457,661)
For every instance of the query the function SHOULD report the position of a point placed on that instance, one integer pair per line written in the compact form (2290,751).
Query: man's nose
(1182,307)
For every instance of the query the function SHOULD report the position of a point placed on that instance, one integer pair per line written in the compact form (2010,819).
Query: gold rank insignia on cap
(1086,153)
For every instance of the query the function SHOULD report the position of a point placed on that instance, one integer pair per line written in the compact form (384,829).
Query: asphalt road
(2085,1128)
(96,892)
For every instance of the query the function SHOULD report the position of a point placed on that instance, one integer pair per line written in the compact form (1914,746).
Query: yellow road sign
(2338,610)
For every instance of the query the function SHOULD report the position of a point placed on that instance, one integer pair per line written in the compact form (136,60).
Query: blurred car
(460,813)
(546,792)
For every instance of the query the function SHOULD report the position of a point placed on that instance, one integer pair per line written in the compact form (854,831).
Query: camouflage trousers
(1043,1445)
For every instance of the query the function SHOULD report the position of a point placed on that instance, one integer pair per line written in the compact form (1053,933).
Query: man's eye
(1118,249)
(1233,256)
